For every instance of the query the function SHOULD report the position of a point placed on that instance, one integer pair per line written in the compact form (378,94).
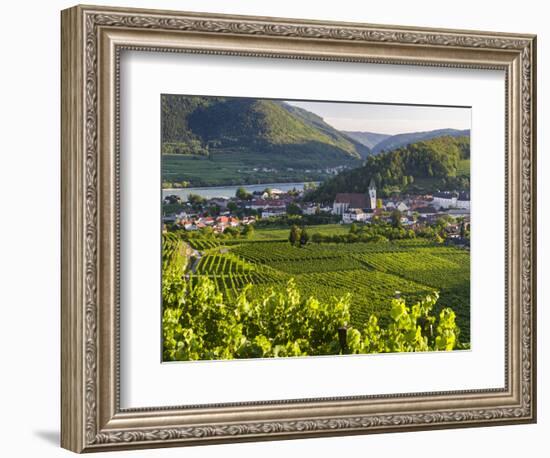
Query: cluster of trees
(207,233)
(298,236)
(175,184)
(300,220)
(434,161)
(377,232)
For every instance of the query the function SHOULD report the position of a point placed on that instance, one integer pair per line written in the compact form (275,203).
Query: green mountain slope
(203,125)
(441,163)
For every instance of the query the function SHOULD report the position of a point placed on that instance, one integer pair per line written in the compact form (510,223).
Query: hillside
(441,163)
(200,125)
(368,139)
(399,140)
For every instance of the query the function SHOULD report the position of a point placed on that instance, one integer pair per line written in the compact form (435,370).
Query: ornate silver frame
(92,38)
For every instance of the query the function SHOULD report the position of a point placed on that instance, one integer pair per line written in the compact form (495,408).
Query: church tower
(372,195)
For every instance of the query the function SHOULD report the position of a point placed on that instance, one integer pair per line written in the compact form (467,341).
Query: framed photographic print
(278,228)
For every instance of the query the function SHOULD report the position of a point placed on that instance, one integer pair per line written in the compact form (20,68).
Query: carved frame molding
(92,39)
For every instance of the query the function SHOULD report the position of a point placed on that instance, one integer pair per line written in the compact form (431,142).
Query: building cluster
(218,224)
(414,211)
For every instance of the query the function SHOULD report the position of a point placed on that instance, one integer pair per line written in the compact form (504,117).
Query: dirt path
(198,256)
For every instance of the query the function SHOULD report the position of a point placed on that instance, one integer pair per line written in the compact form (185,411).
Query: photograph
(296,228)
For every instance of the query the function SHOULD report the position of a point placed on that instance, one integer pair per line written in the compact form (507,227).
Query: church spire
(372,194)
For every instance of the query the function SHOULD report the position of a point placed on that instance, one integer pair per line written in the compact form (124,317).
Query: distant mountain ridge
(399,140)
(369,139)
(377,142)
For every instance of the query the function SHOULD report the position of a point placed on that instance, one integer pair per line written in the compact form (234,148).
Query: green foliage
(294,235)
(400,140)
(248,231)
(413,328)
(195,199)
(370,271)
(293,209)
(199,126)
(396,219)
(304,237)
(243,194)
(433,163)
(199,324)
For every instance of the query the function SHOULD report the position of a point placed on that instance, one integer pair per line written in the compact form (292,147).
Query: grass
(282,233)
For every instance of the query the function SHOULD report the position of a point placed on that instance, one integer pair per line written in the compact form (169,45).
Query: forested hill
(399,140)
(193,125)
(441,163)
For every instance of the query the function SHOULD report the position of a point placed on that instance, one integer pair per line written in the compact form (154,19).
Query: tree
(379,203)
(231,206)
(243,194)
(214,210)
(304,237)
(293,209)
(396,219)
(353,228)
(195,199)
(248,231)
(294,235)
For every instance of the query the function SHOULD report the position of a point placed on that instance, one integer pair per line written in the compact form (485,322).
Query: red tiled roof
(354,199)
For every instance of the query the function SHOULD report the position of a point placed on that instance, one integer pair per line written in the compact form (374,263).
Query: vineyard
(373,273)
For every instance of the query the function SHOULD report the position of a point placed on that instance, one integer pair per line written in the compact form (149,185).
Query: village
(223,214)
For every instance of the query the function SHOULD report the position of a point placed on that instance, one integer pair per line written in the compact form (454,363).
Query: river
(228,191)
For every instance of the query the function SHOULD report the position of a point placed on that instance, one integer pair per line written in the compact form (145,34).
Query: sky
(388,119)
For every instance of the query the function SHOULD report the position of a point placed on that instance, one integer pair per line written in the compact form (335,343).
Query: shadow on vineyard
(271,299)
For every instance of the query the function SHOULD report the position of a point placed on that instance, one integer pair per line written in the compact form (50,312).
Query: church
(351,201)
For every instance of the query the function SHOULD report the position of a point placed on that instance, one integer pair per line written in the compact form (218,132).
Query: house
(219,201)
(310,209)
(260,204)
(463,200)
(402,207)
(271,212)
(354,215)
(445,199)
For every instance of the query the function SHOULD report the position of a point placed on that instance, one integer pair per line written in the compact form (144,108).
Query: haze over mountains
(369,139)
(384,142)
